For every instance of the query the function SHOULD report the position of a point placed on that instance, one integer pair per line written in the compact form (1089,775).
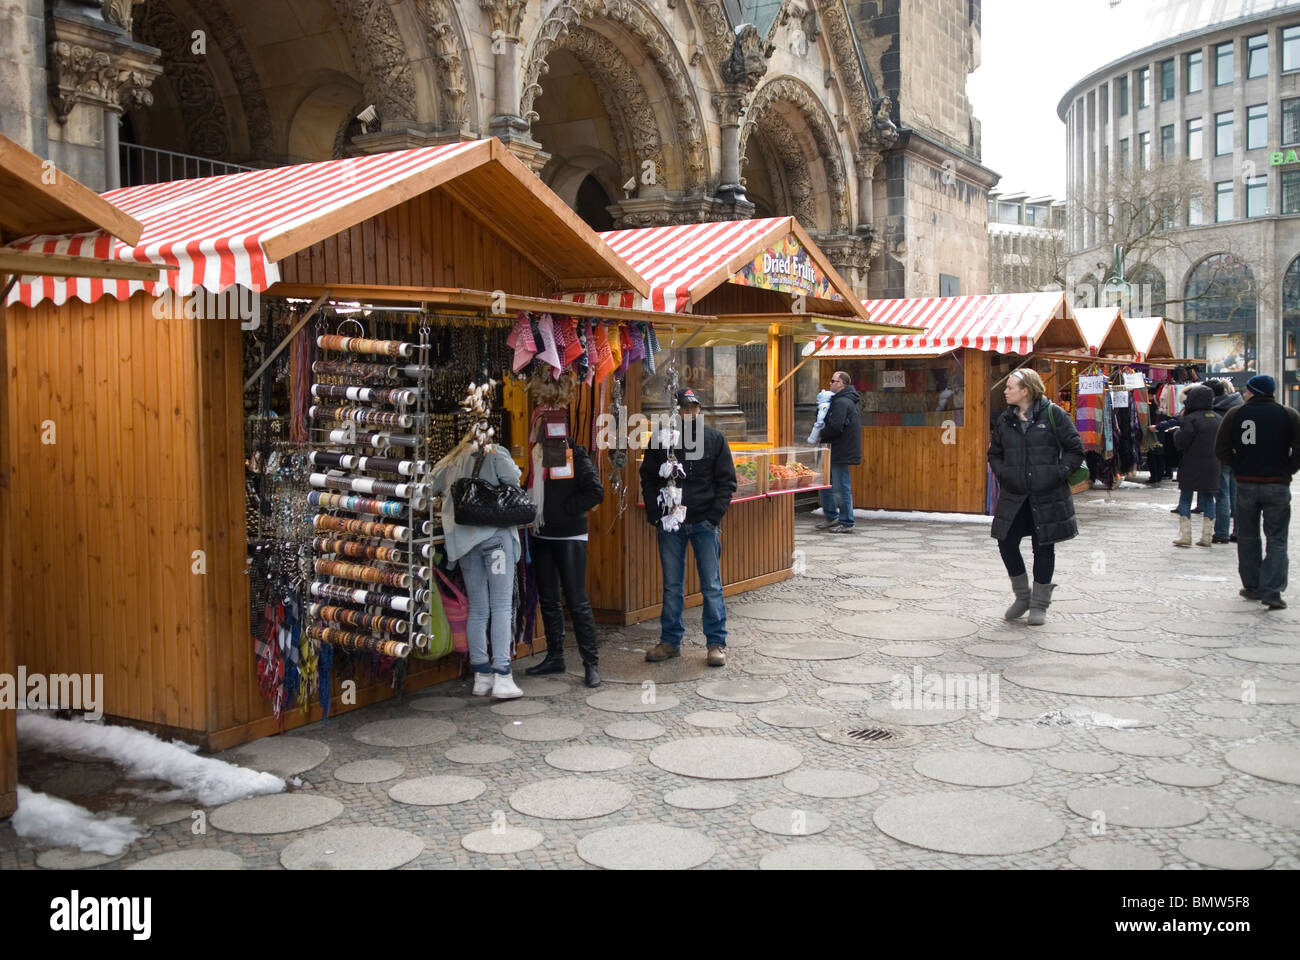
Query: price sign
(1134,381)
(893,380)
(1119,398)
(1091,385)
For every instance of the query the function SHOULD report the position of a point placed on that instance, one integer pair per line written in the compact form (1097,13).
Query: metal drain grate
(872,733)
(856,736)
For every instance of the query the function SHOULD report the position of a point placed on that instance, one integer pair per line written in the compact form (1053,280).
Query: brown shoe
(662,651)
(717,656)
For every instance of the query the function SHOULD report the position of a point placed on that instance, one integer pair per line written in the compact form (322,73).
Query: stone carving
(504,15)
(80,73)
(257,114)
(874,131)
(716,26)
(118,13)
(204,115)
(377,47)
(438,18)
(884,134)
(746,62)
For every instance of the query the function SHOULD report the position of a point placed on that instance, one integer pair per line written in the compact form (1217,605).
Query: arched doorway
(593,205)
(1219,317)
(1291,333)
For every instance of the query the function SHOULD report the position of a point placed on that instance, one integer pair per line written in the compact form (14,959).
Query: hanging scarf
(573,346)
(615,338)
(550,353)
(521,339)
(582,366)
(604,364)
(651,346)
(270,662)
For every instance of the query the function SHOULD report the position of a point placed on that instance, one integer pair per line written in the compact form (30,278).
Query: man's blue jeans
(1226,502)
(837,502)
(706,540)
(1270,502)
(1203,500)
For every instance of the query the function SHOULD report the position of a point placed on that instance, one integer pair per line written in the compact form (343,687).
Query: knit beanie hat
(1261,385)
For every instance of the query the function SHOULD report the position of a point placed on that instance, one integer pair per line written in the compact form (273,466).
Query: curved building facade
(1187,152)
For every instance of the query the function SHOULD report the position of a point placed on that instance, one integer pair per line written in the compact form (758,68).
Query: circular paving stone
(161,814)
(913,716)
(912,650)
(1233,729)
(542,686)
(632,701)
(973,769)
(510,839)
(1082,762)
(714,719)
(1183,775)
(1264,691)
(865,605)
(541,729)
(1099,680)
(190,860)
(369,771)
(1143,744)
(1136,806)
(1081,606)
(700,798)
(905,627)
(70,858)
(478,753)
(1264,654)
(1067,627)
(438,704)
(1269,761)
(1206,643)
(975,824)
(282,756)
(789,821)
(831,784)
(1199,628)
(1221,604)
(651,846)
(1218,669)
(776,611)
(1019,711)
(518,708)
(1018,738)
(276,813)
(570,798)
(742,691)
(1226,709)
(955,666)
(766,668)
(909,591)
(854,673)
(815,856)
(796,716)
(352,848)
(1275,808)
(588,759)
(785,627)
(1226,854)
(725,758)
(634,730)
(996,651)
(404,732)
(437,791)
(844,694)
(1113,855)
(810,649)
(625,663)
(1080,645)
(870,583)
(1169,650)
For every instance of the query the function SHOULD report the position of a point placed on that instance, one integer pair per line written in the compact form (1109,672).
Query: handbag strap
(478,464)
(447,581)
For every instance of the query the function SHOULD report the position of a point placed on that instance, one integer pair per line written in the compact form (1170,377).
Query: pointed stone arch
(257,114)
(448,43)
(381,58)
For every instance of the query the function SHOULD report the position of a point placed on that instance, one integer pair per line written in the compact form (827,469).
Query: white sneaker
(483,684)
(504,687)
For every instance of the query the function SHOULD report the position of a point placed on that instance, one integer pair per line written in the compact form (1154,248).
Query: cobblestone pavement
(1159,631)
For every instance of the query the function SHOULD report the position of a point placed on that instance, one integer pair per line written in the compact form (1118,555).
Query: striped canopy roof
(213,232)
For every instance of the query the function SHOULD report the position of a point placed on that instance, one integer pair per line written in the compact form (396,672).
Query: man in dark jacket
(705,485)
(1225,506)
(843,431)
(1261,442)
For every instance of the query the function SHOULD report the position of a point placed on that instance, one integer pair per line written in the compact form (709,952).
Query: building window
(1291,48)
(1195,72)
(1167,143)
(949,286)
(1223,201)
(1196,139)
(1144,150)
(1195,211)
(1257,127)
(1223,133)
(1291,121)
(1219,308)
(1166,80)
(1144,88)
(1257,56)
(1257,197)
(1121,94)
(1223,64)
(1123,155)
(1105,105)
(1008,213)
(1168,211)
(1291,191)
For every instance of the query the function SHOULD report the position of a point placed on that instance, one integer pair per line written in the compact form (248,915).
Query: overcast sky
(1033,51)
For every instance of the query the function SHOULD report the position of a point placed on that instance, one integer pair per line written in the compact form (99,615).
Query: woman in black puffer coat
(1033,449)
(1199,471)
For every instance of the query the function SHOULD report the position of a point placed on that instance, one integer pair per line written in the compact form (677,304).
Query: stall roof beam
(27,264)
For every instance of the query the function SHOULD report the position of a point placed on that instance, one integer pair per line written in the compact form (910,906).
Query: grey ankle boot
(1020,587)
(1040,599)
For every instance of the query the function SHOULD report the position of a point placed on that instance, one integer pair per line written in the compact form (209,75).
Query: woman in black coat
(1199,471)
(1033,449)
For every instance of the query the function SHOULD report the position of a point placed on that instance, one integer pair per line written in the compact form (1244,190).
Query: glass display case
(771,471)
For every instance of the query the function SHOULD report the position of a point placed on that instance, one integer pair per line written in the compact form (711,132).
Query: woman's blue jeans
(489,571)
(1203,500)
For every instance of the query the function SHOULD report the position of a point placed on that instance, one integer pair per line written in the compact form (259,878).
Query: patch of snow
(50,820)
(143,756)
(1083,717)
(914,515)
(1188,576)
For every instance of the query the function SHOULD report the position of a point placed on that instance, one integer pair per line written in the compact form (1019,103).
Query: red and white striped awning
(997,323)
(213,232)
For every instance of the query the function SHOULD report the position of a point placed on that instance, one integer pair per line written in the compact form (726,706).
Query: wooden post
(8,718)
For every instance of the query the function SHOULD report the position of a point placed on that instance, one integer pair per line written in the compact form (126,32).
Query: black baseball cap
(687,396)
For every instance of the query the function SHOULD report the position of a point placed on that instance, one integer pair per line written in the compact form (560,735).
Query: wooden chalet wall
(8,718)
(910,468)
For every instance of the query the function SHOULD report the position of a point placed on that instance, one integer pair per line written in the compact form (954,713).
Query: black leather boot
(554,663)
(592,678)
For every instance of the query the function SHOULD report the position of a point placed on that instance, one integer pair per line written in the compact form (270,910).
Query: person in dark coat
(843,431)
(1225,506)
(1033,449)
(1199,470)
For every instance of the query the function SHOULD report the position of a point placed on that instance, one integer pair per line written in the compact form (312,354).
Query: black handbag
(477,503)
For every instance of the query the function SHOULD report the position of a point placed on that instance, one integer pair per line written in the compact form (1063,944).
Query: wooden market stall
(35,198)
(1150,338)
(767,286)
(140,568)
(928,399)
